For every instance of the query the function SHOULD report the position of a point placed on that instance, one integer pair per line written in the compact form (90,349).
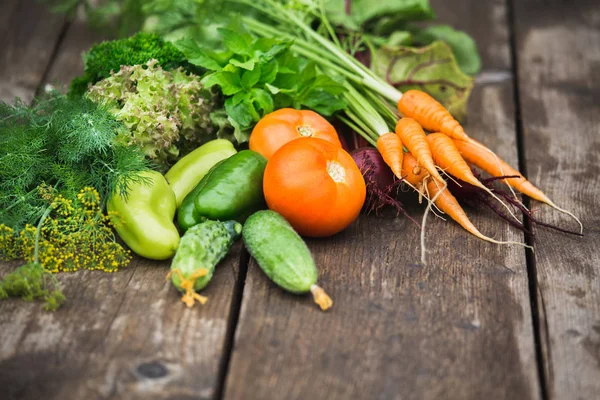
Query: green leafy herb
(382,16)
(68,143)
(463,46)
(260,75)
(31,282)
(52,156)
(432,69)
(72,234)
(385,22)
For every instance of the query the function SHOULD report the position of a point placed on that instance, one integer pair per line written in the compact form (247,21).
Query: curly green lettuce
(167,113)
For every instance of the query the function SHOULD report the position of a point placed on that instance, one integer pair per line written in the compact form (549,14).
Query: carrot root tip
(564,211)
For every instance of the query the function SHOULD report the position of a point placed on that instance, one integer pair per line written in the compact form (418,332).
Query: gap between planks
(40,89)
(232,323)
(536,316)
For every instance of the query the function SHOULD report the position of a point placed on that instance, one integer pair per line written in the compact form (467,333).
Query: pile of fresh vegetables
(180,137)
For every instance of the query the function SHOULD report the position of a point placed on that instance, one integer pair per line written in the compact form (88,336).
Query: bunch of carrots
(417,158)
(451,150)
(374,106)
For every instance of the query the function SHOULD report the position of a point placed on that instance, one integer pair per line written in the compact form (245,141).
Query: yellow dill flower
(76,234)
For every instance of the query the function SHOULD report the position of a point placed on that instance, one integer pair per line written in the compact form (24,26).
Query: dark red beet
(370,162)
(350,139)
(382,185)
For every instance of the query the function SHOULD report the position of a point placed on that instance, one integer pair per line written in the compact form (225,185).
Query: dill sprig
(30,282)
(60,163)
(68,143)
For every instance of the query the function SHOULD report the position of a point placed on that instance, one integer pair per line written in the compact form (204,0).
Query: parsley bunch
(258,76)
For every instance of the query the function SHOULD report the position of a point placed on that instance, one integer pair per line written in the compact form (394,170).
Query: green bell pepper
(144,219)
(231,190)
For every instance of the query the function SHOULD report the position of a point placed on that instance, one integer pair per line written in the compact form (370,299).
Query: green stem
(327,44)
(361,123)
(259,7)
(22,199)
(331,52)
(358,130)
(283,16)
(327,25)
(266,30)
(370,79)
(36,252)
(383,108)
(365,110)
(383,88)
(326,64)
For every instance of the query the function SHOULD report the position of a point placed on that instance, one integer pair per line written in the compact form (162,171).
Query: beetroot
(382,185)
(350,140)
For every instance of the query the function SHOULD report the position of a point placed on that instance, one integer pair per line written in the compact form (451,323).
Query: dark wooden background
(479,322)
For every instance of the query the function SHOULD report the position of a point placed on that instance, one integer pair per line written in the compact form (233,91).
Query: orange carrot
(434,117)
(413,137)
(390,148)
(447,157)
(414,175)
(430,114)
(412,171)
(448,204)
(472,152)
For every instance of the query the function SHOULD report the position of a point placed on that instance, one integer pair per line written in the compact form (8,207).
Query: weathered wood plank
(457,328)
(68,62)
(28,36)
(558,49)
(119,336)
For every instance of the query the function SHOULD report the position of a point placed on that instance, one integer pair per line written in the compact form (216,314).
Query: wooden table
(479,322)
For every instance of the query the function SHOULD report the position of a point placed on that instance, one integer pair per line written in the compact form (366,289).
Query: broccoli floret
(136,50)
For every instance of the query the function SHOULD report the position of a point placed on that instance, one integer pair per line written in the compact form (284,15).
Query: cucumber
(282,255)
(200,250)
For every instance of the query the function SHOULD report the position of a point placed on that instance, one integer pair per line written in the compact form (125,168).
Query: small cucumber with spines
(200,250)
(282,255)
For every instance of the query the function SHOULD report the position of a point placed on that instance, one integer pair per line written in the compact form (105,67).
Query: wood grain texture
(119,336)
(558,49)
(458,328)
(68,63)
(28,36)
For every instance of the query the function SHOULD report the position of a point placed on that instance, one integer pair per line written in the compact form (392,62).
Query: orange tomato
(315,185)
(284,125)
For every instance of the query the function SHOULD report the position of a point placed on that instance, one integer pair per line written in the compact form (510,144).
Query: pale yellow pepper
(144,219)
